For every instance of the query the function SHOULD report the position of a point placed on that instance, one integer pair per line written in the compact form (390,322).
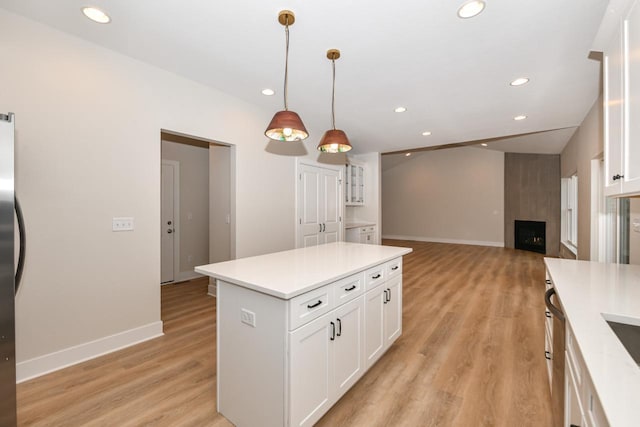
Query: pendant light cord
(333,95)
(286,63)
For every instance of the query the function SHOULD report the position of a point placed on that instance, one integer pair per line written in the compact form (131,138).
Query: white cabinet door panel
(348,355)
(310,371)
(613,113)
(631,182)
(374,324)
(393,310)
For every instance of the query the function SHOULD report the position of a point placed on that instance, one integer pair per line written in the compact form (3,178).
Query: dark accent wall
(532,193)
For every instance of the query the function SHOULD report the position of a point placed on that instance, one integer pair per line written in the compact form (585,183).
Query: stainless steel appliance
(557,378)
(10,274)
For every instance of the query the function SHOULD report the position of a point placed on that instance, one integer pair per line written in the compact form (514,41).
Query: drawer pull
(350,289)
(377,276)
(547,355)
(314,305)
(547,314)
(548,282)
(333,332)
(394,268)
(339,327)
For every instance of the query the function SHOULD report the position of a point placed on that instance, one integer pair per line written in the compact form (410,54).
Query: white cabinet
(582,405)
(354,189)
(319,206)
(366,235)
(285,362)
(326,359)
(383,317)
(621,97)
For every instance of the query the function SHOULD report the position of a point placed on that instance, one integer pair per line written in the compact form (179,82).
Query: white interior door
(167,221)
(330,205)
(309,206)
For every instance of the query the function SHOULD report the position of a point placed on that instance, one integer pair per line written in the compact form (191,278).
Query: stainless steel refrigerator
(10,270)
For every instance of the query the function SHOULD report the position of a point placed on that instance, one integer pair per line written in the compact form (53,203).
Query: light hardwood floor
(471,354)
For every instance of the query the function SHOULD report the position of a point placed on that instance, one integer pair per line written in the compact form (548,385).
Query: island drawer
(310,305)
(346,289)
(375,276)
(394,268)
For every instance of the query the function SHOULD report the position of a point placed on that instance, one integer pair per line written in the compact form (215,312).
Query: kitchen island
(602,381)
(297,329)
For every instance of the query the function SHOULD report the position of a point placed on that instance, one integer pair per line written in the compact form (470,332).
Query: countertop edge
(401,251)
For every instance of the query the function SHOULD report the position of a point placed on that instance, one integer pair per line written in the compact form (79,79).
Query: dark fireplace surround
(530,236)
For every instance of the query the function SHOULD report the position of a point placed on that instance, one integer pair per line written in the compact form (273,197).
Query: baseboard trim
(183,276)
(64,358)
(439,240)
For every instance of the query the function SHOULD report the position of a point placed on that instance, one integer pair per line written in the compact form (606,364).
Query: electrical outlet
(122,224)
(248,317)
(190,258)
(636,225)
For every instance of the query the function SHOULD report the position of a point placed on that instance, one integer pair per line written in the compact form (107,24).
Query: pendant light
(334,140)
(286,125)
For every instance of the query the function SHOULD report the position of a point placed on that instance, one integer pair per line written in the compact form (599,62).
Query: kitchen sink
(629,336)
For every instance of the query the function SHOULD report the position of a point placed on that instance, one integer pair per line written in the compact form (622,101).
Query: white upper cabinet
(621,104)
(354,189)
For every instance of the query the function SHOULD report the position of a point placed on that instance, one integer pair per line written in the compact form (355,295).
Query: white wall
(454,195)
(194,205)
(219,204)
(585,144)
(88,126)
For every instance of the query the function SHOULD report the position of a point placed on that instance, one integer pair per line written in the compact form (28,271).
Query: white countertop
(358,224)
(294,272)
(586,290)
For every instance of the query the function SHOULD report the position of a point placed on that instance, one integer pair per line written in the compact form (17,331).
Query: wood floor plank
(470,355)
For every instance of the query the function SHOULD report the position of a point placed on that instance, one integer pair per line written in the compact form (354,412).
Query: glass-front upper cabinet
(354,188)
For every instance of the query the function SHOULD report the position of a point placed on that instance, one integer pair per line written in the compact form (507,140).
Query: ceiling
(451,74)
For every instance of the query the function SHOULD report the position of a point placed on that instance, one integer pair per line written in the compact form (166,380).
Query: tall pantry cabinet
(319,205)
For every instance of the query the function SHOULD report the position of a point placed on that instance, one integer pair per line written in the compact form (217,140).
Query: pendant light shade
(286,125)
(334,140)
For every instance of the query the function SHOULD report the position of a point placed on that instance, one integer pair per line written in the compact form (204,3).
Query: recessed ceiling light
(471,8)
(426,133)
(268,92)
(521,117)
(407,155)
(96,15)
(400,110)
(519,81)
(484,144)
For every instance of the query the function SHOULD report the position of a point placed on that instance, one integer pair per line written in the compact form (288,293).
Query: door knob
(169,231)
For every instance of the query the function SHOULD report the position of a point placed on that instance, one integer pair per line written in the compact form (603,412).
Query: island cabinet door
(310,370)
(374,324)
(348,347)
(393,310)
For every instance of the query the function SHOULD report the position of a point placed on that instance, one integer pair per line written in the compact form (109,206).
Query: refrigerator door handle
(21,253)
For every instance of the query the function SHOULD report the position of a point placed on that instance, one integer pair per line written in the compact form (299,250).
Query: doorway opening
(197,214)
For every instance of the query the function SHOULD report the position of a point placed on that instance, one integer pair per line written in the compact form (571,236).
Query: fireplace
(530,236)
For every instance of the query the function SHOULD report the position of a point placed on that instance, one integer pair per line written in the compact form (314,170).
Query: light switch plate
(122,224)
